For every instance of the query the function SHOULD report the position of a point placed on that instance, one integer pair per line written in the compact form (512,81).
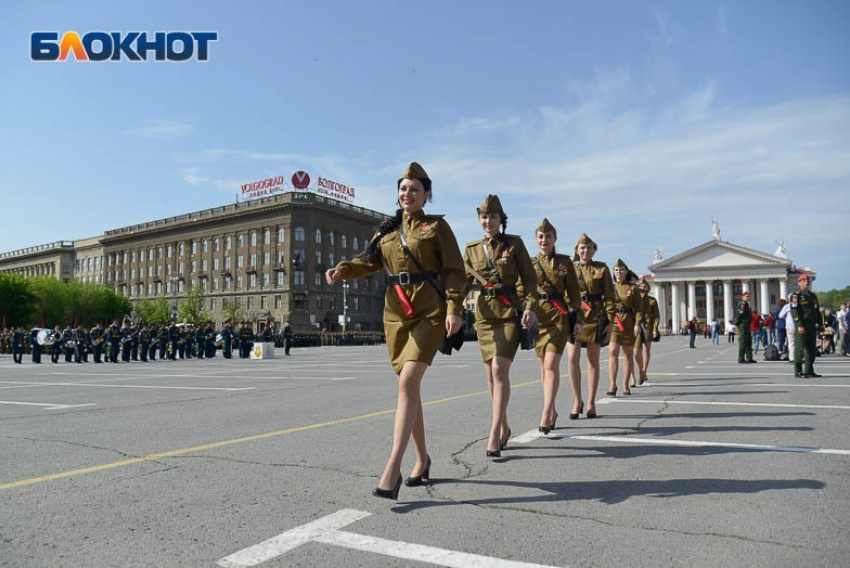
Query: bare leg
(574,369)
(647,353)
(592,375)
(639,360)
(499,384)
(628,365)
(550,363)
(409,405)
(614,366)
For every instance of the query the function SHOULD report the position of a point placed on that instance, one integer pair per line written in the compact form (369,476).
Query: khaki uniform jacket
(629,307)
(433,243)
(651,315)
(594,279)
(560,271)
(511,259)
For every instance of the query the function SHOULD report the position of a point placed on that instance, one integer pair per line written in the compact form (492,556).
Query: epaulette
(434,217)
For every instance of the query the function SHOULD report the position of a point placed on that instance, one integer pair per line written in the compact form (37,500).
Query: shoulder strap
(410,255)
(546,276)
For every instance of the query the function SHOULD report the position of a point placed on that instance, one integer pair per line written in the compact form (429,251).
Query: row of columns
(685,308)
(43,269)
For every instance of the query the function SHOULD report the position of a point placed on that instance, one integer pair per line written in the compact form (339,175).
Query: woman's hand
(454,323)
(528,319)
(332,275)
(606,333)
(578,328)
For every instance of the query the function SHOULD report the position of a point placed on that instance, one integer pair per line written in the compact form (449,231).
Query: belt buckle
(490,292)
(544,297)
(403,278)
(583,298)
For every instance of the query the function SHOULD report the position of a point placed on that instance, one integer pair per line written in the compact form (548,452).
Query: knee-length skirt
(414,340)
(497,339)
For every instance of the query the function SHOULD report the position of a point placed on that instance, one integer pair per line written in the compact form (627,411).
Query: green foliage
(833,298)
(17,301)
(51,301)
(154,311)
(232,311)
(191,308)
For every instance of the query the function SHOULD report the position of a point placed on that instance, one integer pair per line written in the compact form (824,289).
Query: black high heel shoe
(544,430)
(505,443)
(591,413)
(552,426)
(388,493)
(575,415)
(419,480)
(494,454)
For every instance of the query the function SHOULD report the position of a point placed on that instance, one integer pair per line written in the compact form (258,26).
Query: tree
(834,298)
(191,309)
(51,301)
(17,301)
(154,311)
(232,311)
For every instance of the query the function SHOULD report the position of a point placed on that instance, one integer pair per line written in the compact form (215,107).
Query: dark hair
(426,183)
(370,254)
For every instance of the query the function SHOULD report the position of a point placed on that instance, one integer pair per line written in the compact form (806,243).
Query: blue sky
(633,121)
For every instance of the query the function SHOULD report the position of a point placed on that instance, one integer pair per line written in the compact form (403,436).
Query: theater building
(262,260)
(707,281)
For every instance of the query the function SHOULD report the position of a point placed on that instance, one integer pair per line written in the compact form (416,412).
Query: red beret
(802,277)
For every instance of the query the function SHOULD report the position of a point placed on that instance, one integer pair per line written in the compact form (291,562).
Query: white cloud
(162,129)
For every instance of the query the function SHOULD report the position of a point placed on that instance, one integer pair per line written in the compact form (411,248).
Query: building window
(215,284)
(133,256)
(253,260)
(212,304)
(331,259)
(150,289)
(281,236)
(204,246)
(250,302)
(318,260)
(277,302)
(253,238)
(227,263)
(318,280)
(215,244)
(228,242)
(262,302)
(226,283)
(215,263)
(194,266)
(168,270)
(180,269)
(331,238)
(267,237)
(239,282)
(252,280)
(180,286)
(204,265)
(267,256)
(168,251)
(343,241)
(150,254)
(240,261)
(297,278)
(168,287)
(240,240)
(355,244)
(280,276)
(356,304)
(318,236)
(266,278)
(281,256)
(180,250)
(299,234)
(194,248)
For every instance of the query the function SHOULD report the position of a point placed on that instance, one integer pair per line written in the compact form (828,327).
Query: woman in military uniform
(502,267)
(651,319)
(628,305)
(597,303)
(423,303)
(558,313)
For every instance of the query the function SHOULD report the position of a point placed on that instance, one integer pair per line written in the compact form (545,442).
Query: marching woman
(558,313)
(651,318)
(501,266)
(597,304)
(628,305)
(423,304)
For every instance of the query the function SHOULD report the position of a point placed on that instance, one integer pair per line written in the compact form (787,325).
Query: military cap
(802,277)
(547,227)
(585,240)
(491,204)
(621,264)
(414,171)
(745,293)
(643,282)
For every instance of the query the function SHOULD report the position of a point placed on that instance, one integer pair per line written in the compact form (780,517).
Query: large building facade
(708,280)
(261,260)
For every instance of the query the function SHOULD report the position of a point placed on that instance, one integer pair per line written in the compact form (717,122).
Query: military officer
(97,340)
(423,303)
(743,318)
(82,338)
(227,340)
(201,341)
(628,304)
(246,340)
(597,302)
(35,345)
(113,336)
(162,342)
(144,342)
(69,342)
(502,267)
(288,338)
(558,313)
(649,334)
(56,348)
(805,309)
(209,340)
(173,336)
(18,337)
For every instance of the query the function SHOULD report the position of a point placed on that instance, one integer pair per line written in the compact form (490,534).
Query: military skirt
(588,332)
(553,338)
(415,339)
(626,337)
(498,338)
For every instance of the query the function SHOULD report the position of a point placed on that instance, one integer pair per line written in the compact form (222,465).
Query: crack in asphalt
(470,472)
(270,464)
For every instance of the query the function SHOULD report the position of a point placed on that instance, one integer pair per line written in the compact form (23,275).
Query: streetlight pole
(345,307)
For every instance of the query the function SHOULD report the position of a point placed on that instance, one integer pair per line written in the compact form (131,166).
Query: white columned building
(716,273)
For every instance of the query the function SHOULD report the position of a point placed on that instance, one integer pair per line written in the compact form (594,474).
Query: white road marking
(712,403)
(102,385)
(326,530)
(47,405)
(696,444)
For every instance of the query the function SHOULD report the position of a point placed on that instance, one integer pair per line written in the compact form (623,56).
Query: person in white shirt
(842,329)
(785,312)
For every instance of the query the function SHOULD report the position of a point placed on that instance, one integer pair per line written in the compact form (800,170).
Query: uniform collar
(408,217)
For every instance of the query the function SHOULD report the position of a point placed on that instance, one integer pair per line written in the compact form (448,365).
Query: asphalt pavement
(271,463)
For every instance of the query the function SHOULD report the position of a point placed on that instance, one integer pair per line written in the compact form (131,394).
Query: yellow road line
(214,445)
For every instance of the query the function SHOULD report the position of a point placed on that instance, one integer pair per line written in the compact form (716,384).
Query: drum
(70,344)
(219,340)
(45,337)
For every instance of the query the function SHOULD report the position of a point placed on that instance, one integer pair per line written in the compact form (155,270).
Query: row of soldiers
(136,342)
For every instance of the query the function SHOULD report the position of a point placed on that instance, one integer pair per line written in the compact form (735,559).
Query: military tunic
(556,328)
(743,318)
(628,304)
(597,296)
(496,324)
(432,242)
(650,320)
(805,309)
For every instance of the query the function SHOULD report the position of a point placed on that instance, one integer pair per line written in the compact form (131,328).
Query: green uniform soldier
(743,317)
(628,304)
(649,333)
(805,309)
